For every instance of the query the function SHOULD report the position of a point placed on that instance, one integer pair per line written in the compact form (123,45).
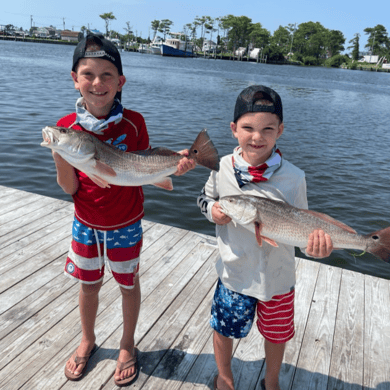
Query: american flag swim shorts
(232,315)
(91,250)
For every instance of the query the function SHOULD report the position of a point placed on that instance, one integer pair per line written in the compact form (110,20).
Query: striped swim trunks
(275,318)
(232,315)
(91,250)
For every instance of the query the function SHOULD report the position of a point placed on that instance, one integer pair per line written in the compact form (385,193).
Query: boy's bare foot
(223,383)
(83,350)
(125,356)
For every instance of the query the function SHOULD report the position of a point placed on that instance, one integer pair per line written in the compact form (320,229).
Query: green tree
(282,38)
(165,27)
(209,27)
(335,42)
(310,40)
(240,28)
(107,17)
(155,27)
(355,47)
(378,41)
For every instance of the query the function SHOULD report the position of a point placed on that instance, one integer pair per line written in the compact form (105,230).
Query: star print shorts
(232,315)
(92,250)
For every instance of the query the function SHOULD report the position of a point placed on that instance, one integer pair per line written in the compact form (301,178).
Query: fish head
(239,208)
(73,145)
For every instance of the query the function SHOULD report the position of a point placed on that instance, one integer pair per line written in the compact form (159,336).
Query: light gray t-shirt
(244,266)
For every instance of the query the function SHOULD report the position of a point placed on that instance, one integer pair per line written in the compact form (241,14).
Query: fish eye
(375,237)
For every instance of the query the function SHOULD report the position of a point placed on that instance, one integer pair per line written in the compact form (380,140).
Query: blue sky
(347,16)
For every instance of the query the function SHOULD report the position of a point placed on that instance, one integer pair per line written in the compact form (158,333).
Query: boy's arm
(66,175)
(208,201)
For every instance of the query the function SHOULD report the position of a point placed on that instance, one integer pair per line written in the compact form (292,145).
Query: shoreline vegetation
(343,62)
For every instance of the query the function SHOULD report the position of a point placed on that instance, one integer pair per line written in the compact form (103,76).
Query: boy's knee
(90,289)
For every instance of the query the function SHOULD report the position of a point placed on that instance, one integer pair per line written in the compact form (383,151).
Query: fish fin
(204,152)
(271,242)
(103,168)
(258,233)
(166,184)
(99,181)
(329,219)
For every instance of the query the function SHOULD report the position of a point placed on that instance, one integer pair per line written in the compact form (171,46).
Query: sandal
(133,362)
(79,360)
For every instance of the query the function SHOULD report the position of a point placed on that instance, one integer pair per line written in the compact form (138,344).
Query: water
(336,129)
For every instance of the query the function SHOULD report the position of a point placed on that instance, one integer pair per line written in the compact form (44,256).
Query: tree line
(310,42)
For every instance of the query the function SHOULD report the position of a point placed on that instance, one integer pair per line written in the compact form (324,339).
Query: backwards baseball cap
(105,50)
(251,99)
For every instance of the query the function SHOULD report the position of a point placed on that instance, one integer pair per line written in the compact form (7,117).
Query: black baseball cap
(247,101)
(108,51)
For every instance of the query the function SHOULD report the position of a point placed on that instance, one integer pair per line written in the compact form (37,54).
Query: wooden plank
(33,217)
(34,303)
(306,279)
(5,191)
(35,281)
(32,245)
(166,331)
(346,370)
(13,202)
(63,337)
(376,333)
(178,360)
(314,359)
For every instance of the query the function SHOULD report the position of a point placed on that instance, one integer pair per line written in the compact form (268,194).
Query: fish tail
(204,152)
(379,244)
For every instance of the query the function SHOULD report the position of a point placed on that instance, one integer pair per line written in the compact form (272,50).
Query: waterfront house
(70,36)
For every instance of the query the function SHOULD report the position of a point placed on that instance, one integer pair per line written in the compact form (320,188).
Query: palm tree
(107,17)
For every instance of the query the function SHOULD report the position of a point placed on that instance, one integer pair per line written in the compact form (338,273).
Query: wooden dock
(342,317)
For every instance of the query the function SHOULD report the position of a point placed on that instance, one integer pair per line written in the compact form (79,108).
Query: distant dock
(342,317)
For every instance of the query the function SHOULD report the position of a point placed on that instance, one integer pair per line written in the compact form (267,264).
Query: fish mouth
(47,138)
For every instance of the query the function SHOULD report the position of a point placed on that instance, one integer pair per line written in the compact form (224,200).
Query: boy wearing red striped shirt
(253,279)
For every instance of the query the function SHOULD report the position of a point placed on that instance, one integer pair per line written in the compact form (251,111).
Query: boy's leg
(88,305)
(273,357)
(131,302)
(232,316)
(275,321)
(223,349)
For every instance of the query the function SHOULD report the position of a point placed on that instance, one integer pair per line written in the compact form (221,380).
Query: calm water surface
(336,129)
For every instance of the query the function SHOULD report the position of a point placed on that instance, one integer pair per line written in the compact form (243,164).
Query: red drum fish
(277,221)
(107,165)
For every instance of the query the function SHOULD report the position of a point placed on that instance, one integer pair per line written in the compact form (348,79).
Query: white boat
(155,46)
(240,51)
(176,47)
(255,53)
(143,48)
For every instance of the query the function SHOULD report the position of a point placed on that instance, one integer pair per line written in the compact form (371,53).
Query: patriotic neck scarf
(97,126)
(245,173)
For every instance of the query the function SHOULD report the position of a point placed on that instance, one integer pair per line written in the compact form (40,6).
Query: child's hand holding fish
(219,217)
(184,164)
(319,244)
